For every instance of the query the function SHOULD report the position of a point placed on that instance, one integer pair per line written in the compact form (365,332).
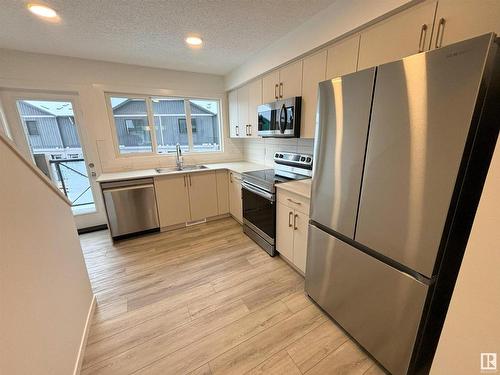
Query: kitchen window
(193,123)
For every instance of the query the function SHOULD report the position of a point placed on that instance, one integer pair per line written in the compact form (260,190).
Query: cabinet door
(465,19)
(284,231)
(270,87)
(235,204)
(290,80)
(254,100)
(172,199)
(222,192)
(398,36)
(202,195)
(342,57)
(314,73)
(243,111)
(233,113)
(300,226)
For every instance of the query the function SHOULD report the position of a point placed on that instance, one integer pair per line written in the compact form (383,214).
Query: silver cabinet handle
(237,131)
(295,221)
(291,200)
(423,36)
(440,33)
(290,219)
(249,129)
(275,91)
(231,178)
(281,90)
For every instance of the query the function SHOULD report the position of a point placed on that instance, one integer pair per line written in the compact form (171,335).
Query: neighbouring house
(170,124)
(50,128)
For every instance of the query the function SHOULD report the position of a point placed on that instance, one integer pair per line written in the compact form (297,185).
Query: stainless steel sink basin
(184,168)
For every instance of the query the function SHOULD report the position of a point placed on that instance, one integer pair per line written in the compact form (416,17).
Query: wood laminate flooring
(206,300)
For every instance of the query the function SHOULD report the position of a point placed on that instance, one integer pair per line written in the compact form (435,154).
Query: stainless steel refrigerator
(401,153)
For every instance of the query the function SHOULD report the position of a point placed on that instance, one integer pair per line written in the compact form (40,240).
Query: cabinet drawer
(295,201)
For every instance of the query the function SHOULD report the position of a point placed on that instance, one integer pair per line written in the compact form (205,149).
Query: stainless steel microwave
(280,118)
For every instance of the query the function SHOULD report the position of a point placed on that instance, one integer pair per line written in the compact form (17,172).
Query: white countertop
(237,167)
(300,187)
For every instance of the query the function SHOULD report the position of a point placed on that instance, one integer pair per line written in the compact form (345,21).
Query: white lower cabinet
(187,197)
(172,199)
(291,231)
(235,203)
(222,191)
(202,195)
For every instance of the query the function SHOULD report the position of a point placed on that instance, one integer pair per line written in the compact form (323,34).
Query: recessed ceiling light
(42,11)
(194,41)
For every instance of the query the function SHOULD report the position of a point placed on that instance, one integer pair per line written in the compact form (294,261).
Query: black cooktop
(267,178)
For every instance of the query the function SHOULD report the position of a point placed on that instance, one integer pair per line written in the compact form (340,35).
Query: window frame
(151,123)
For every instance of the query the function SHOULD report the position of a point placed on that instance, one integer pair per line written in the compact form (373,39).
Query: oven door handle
(257,191)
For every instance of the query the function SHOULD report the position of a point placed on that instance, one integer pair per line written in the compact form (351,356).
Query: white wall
(90,79)
(45,293)
(472,324)
(341,17)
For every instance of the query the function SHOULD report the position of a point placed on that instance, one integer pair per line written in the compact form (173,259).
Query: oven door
(259,211)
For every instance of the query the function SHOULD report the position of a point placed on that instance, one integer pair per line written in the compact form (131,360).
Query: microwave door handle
(282,124)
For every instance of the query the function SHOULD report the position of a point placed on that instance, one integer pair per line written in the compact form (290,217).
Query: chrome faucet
(178,156)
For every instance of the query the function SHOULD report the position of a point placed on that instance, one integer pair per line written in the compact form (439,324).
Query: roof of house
(52,107)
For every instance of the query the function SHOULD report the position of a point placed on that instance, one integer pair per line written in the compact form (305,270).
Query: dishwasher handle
(149,186)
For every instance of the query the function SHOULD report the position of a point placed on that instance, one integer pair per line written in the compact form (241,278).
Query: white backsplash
(261,150)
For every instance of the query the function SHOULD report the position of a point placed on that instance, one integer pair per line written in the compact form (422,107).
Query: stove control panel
(294,159)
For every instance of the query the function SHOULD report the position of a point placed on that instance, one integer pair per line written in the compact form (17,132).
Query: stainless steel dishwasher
(130,206)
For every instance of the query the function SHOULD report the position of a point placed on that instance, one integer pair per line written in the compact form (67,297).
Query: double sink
(185,168)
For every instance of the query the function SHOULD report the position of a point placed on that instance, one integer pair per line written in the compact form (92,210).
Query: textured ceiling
(152,32)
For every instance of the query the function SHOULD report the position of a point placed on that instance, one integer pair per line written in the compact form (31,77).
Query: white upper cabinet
(342,57)
(270,86)
(243,111)
(314,72)
(283,83)
(243,104)
(457,20)
(290,83)
(233,114)
(254,100)
(401,35)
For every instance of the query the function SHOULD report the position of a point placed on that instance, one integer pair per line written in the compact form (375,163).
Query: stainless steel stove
(259,195)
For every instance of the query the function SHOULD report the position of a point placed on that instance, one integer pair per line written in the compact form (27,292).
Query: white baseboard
(83,343)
